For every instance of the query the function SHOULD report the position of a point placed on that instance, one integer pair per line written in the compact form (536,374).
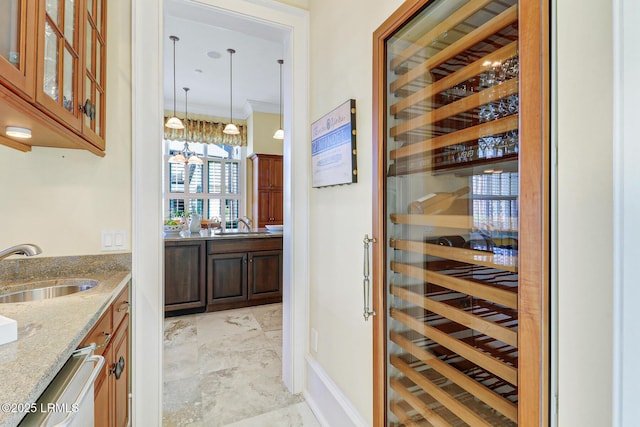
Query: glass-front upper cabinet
(58,59)
(17,45)
(457,266)
(93,105)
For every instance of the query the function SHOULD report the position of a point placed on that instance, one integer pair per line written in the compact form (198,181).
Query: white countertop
(48,332)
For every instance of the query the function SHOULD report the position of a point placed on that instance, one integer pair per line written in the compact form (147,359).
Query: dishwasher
(68,400)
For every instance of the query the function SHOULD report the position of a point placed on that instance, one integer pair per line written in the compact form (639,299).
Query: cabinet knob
(117,368)
(88,108)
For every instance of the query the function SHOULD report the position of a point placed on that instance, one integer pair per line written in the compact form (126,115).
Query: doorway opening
(147,203)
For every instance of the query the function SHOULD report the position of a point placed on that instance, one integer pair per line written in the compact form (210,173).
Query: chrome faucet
(27,249)
(246,221)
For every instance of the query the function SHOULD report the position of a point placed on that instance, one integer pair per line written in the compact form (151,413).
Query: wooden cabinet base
(241,304)
(244,273)
(184,277)
(111,389)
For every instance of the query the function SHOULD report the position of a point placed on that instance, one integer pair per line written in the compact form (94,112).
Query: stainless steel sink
(47,289)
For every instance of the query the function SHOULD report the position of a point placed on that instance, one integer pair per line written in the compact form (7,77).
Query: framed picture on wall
(333,147)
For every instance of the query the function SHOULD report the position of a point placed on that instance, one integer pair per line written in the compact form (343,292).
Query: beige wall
(341,51)
(61,199)
(260,130)
(585,212)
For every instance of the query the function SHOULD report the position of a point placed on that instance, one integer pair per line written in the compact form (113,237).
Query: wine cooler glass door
(452,195)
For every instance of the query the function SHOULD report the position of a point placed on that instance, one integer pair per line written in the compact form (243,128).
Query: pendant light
(280,132)
(187,156)
(231,129)
(174,122)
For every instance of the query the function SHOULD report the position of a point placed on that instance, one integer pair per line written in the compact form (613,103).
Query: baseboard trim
(327,401)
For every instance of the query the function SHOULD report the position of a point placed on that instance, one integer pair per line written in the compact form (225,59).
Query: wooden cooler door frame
(534,221)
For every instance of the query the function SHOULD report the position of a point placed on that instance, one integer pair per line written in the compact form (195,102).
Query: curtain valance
(207,132)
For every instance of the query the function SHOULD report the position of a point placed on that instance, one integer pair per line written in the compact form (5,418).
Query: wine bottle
(435,203)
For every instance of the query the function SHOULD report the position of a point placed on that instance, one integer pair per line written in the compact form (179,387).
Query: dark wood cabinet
(53,74)
(227,278)
(184,275)
(244,272)
(265,274)
(267,189)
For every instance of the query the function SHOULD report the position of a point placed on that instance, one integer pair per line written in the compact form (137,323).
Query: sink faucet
(27,249)
(246,221)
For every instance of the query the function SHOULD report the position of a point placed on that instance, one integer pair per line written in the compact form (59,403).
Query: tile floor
(224,369)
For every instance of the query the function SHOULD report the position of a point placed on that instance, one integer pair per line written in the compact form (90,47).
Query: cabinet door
(276,207)
(101,403)
(227,278)
(58,60)
(94,71)
(275,173)
(263,170)
(263,207)
(268,169)
(119,376)
(184,275)
(17,45)
(265,274)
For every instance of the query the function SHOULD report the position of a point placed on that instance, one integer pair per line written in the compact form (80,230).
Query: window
(214,189)
(495,211)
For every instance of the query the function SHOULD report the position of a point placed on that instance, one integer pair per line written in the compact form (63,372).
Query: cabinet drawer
(244,245)
(100,334)
(120,307)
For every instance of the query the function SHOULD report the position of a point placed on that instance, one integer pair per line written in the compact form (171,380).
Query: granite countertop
(256,233)
(48,332)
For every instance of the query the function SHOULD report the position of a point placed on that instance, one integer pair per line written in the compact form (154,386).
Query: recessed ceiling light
(18,132)
(213,54)
(487,171)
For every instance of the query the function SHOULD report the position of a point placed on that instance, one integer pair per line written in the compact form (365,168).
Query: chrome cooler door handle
(366,284)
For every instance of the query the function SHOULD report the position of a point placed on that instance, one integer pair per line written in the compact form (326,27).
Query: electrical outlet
(314,340)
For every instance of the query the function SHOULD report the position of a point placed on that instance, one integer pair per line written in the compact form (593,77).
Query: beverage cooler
(460,199)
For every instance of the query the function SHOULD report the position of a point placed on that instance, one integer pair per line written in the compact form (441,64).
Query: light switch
(120,240)
(114,240)
(107,240)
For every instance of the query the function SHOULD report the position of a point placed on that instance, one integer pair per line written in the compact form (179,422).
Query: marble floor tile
(275,341)
(298,415)
(225,368)
(179,330)
(234,394)
(269,316)
(179,362)
(226,323)
(182,402)
(212,357)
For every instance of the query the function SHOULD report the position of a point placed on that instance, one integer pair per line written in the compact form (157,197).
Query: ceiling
(202,61)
